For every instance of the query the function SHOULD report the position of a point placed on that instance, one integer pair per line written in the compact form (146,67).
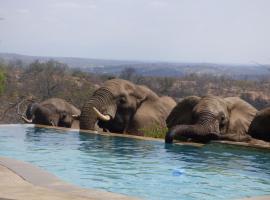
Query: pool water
(150,170)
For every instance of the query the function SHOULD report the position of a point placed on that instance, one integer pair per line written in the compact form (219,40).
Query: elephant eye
(222,118)
(222,121)
(122,100)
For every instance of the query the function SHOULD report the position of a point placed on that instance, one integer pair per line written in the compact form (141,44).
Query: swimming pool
(147,169)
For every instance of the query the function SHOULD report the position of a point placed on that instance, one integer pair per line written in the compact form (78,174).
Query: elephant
(120,106)
(260,125)
(207,118)
(54,112)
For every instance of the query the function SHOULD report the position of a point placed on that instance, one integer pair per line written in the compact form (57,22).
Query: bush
(155,131)
(2,80)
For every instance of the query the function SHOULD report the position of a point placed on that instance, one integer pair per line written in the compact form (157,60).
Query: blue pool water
(147,169)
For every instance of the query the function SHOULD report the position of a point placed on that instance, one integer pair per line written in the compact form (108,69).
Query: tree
(45,78)
(128,73)
(165,84)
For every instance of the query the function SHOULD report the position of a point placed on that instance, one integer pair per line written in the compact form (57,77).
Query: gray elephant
(210,118)
(260,125)
(54,112)
(120,106)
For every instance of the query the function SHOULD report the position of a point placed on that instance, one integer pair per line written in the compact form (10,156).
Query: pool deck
(23,181)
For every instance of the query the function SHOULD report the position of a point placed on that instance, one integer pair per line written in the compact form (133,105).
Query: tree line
(43,80)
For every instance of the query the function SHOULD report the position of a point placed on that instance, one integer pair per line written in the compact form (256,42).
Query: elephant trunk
(101,106)
(206,129)
(31,109)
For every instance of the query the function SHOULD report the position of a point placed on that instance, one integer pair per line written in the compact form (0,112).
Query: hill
(70,61)
(157,69)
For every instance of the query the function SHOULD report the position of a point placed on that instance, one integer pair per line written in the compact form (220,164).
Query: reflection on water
(114,145)
(145,169)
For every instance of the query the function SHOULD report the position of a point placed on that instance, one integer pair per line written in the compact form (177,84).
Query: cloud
(66,5)
(158,3)
(73,5)
(91,6)
(22,11)
(2,18)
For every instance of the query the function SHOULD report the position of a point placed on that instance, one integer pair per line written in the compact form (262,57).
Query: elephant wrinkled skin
(260,125)
(210,118)
(52,112)
(122,107)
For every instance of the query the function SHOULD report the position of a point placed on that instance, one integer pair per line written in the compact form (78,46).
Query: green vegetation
(2,81)
(155,131)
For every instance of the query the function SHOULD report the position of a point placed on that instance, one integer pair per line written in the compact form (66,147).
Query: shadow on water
(115,145)
(87,142)
(34,134)
(50,137)
(39,134)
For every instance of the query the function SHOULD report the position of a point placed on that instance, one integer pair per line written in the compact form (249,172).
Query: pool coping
(263,145)
(39,177)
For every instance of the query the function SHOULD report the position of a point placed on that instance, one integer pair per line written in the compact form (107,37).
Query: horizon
(227,32)
(252,63)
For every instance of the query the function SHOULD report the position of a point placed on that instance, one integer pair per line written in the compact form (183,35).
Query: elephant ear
(182,112)
(241,115)
(142,93)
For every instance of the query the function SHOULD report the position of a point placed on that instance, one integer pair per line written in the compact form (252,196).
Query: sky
(220,31)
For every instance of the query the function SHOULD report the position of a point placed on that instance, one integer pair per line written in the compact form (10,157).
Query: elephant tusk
(76,116)
(101,116)
(52,123)
(26,120)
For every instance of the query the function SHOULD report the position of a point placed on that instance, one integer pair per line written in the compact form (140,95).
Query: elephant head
(53,112)
(118,103)
(209,118)
(260,125)
(42,114)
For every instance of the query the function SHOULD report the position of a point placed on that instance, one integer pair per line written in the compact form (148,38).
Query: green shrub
(155,131)
(2,80)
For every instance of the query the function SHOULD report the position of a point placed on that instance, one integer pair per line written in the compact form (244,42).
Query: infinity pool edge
(242,144)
